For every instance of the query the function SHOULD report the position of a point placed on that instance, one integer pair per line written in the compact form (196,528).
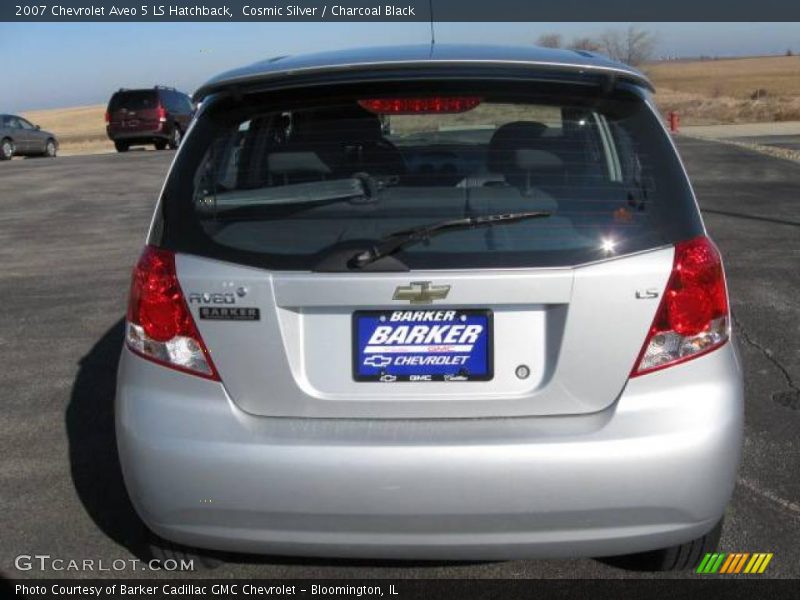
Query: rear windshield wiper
(398,240)
(314,192)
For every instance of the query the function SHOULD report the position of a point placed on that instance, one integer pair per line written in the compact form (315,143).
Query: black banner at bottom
(398,589)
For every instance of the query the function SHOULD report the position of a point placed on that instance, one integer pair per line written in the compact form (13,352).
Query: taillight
(411,106)
(160,326)
(693,317)
(161,112)
(108,117)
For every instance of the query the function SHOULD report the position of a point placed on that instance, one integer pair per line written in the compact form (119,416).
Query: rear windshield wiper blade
(398,240)
(359,190)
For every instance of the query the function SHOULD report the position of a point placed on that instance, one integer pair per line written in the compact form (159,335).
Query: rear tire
(164,550)
(175,138)
(675,558)
(121,146)
(161,145)
(50,149)
(6,149)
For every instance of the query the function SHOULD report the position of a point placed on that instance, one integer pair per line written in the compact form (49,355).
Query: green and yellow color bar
(734,563)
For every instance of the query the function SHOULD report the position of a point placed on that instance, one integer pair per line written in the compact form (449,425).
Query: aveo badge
(422,345)
(222,306)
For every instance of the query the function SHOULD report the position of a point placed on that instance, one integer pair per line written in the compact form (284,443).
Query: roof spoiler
(285,78)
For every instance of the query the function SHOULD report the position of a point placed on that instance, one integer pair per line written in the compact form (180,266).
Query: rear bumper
(655,469)
(158,133)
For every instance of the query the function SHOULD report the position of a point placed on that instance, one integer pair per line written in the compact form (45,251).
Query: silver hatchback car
(457,304)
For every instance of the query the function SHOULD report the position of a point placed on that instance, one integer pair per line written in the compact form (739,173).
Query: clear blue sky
(49,65)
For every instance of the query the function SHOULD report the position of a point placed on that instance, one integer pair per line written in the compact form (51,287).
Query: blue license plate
(422,345)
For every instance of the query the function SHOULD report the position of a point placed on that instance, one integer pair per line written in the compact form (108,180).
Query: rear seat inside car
(405,207)
(349,139)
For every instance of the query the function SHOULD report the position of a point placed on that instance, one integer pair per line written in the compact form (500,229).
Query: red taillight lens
(108,117)
(161,113)
(413,106)
(693,317)
(160,326)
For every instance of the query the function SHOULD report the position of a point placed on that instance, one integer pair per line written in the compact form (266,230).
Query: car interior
(344,173)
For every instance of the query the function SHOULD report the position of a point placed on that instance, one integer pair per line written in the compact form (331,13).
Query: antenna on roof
(433,37)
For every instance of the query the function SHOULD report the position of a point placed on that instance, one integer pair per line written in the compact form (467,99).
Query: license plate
(422,345)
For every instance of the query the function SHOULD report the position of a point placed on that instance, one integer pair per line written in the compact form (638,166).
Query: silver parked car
(19,137)
(448,305)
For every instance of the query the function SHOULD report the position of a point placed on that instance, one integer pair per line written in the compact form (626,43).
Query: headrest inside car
(340,124)
(510,137)
(529,159)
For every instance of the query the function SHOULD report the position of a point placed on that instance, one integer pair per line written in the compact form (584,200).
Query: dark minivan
(158,116)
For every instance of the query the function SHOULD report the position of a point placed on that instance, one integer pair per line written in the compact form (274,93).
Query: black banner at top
(398,10)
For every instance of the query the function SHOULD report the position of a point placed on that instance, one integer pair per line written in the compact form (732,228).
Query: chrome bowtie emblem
(421,292)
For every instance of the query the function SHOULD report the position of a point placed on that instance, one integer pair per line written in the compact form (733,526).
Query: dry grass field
(704,92)
(80,130)
(736,90)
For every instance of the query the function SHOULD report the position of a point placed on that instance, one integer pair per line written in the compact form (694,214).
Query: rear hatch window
(133,101)
(291,184)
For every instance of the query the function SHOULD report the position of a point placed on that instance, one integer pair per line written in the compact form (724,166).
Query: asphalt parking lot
(70,230)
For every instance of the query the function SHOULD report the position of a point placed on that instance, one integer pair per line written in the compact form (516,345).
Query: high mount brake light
(160,327)
(413,106)
(693,316)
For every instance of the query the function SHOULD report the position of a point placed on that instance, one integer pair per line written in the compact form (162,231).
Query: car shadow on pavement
(94,461)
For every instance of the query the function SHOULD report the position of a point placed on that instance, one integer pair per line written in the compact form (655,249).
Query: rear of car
(462,313)
(157,116)
(20,137)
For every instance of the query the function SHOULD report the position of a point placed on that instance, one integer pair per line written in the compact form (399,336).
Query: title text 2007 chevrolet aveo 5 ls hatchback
(448,305)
